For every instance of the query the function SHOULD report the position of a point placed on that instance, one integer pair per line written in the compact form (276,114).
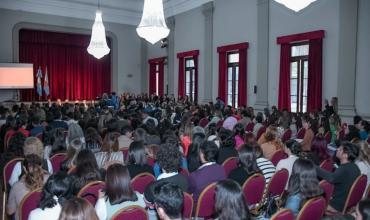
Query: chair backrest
(327,165)
(29,203)
(328,190)
(39,136)
(313,209)
(253,189)
(341,135)
(301,132)
(229,164)
(90,191)
(368,192)
(8,170)
(287,135)
(141,181)
(203,122)
(219,123)
(283,214)
(184,172)
(328,137)
(249,127)
(124,152)
(150,161)
(57,160)
(131,212)
(260,132)
(278,155)
(206,202)
(188,206)
(355,193)
(277,183)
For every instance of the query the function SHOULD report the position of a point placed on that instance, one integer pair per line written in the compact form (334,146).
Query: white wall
(321,15)
(363,62)
(125,50)
(236,22)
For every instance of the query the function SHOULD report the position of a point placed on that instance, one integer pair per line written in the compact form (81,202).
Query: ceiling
(117,11)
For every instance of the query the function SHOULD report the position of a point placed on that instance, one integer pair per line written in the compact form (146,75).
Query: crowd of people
(180,136)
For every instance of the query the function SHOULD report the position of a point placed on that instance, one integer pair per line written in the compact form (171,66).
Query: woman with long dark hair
(78,209)
(137,159)
(303,185)
(118,192)
(247,165)
(193,153)
(87,169)
(230,203)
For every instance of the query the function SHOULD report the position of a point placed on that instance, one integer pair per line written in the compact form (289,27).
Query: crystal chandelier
(152,26)
(295,5)
(98,43)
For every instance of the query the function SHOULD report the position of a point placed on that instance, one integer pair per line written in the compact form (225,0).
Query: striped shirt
(267,168)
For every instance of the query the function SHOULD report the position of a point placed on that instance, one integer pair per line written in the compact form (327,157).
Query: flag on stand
(39,76)
(46,83)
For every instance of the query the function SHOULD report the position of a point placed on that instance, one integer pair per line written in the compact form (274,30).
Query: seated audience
(247,165)
(54,193)
(272,143)
(292,148)
(227,148)
(303,185)
(78,209)
(343,177)
(208,172)
(363,160)
(118,193)
(319,148)
(73,149)
(33,178)
(266,167)
(230,201)
(193,153)
(125,139)
(110,152)
(309,135)
(93,140)
(19,126)
(169,201)
(137,159)
(239,134)
(257,123)
(87,169)
(363,210)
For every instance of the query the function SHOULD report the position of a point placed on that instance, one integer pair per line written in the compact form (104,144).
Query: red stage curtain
(222,78)
(152,71)
(181,84)
(314,88)
(161,78)
(284,81)
(73,73)
(242,95)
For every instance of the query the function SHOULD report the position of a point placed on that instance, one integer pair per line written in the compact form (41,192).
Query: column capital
(207,9)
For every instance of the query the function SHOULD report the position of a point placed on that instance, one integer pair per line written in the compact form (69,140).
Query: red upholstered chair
(90,191)
(203,122)
(188,206)
(206,202)
(219,123)
(260,132)
(368,192)
(341,135)
(286,136)
(313,209)
(29,203)
(328,137)
(124,152)
(249,127)
(229,164)
(141,181)
(56,161)
(327,165)
(328,190)
(283,214)
(253,189)
(277,183)
(301,132)
(184,172)
(356,192)
(150,161)
(278,155)
(39,136)
(131,212)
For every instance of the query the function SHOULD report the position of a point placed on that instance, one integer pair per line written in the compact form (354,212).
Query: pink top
(238,141)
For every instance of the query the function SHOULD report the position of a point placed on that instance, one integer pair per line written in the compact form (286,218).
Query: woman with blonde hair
(272,144)
(32,145)
(110,152)
(78,209)
(34,177)
(363,160)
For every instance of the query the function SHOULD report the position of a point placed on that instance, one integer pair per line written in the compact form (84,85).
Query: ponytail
(34,174)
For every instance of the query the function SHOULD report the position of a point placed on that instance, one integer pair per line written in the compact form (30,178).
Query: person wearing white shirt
(363,160)
(292,149)
(56,190)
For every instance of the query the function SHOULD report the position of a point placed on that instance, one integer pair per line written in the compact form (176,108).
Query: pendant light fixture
(295,5)
(153,26)
(98,43)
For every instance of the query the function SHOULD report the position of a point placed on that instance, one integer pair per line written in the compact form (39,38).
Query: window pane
(193,87)
(305,69)
(187,76)
(236,88)
(293,103)
(304,107)
(293,87)
(229,87)
(189,63)
(293,69)
(187,88)
(236,101)
(233,58)
(230,100)
(305,81)
(193,74)
(157,83)
(230,73)
(157,67)
(236,73)
(301,50)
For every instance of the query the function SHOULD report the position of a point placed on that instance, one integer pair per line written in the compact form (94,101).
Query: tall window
(232,79)
(299,77)
(157,79)
(190,78)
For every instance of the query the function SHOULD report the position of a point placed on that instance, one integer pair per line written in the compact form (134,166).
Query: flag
(39,76)
(46,83)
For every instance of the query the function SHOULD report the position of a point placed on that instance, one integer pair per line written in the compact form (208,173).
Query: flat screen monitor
(16,76)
